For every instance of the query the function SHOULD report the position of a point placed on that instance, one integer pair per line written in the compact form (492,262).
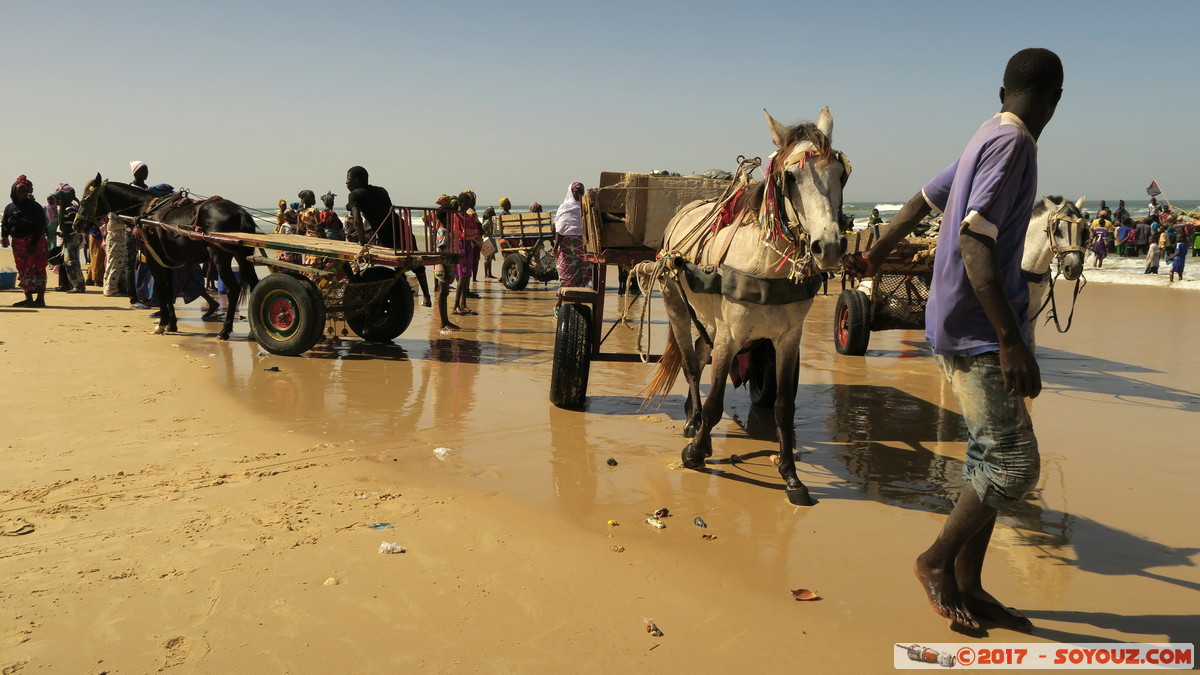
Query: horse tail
(665,375)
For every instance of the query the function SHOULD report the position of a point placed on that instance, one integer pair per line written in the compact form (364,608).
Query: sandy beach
(187,508)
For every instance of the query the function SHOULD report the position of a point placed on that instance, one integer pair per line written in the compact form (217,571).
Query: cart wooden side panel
(520,230)
(631,210)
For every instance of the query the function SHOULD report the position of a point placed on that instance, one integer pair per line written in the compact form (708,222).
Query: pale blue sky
(258,100)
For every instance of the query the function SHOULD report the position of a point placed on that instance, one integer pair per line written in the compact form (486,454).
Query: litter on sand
(385,547)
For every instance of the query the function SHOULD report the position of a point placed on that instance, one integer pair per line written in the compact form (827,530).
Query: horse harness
(1060,253)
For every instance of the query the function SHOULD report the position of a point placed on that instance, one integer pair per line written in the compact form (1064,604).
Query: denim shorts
(1002,452)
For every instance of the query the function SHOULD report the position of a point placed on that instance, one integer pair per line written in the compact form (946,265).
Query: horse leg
(164,288)
(714,406)
(787,357)
(679,317)
(232,292)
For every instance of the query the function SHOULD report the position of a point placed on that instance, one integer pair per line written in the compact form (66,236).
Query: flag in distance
(1153,190)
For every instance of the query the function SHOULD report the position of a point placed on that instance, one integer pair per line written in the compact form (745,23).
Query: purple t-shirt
(989,190)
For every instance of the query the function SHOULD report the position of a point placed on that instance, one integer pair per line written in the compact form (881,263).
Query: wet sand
(189,505)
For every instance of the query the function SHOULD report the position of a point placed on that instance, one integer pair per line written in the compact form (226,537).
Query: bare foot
(983,605)
(942,592)
(449,327)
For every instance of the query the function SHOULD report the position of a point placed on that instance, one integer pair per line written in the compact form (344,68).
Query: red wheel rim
(842,330)
(282,315)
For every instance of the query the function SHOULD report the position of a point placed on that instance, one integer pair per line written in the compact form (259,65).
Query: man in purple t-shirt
(977,324)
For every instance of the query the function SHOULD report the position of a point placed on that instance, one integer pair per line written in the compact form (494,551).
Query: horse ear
(779,131)
(1080,202)
(1050,204)
(825,123)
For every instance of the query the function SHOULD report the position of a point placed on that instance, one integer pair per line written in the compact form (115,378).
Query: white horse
(1057,233)
(745,268)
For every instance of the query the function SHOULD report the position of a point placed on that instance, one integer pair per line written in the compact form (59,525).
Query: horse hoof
(691,458)
(159,330)
(800,497)
(689,431)
(223,335)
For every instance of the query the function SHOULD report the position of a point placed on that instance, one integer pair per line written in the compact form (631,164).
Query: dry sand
(188,505)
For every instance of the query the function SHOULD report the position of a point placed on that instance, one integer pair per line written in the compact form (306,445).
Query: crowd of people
(1161,234)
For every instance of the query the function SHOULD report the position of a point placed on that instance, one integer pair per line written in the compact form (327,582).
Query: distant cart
(523,242)
(624,220)
(363,285)
(894,299)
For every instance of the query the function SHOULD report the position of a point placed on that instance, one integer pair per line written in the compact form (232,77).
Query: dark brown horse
(166,249)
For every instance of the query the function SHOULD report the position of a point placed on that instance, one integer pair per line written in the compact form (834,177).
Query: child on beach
(1177,261)
(1152,258)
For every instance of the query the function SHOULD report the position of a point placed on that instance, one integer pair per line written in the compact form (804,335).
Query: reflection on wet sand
(880,429)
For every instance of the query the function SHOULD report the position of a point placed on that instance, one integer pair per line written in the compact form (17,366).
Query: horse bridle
(1060,253)
(777,191)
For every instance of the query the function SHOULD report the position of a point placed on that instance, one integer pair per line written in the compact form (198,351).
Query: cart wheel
(572,357)
(762,375)
(851,331)
(514,273)
(287,314)
(385,320)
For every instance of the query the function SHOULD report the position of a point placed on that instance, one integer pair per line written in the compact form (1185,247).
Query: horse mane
(805,131)
(750,200)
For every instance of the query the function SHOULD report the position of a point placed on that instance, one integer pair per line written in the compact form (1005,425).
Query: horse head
(92,202)
(811,175)
(1067,233)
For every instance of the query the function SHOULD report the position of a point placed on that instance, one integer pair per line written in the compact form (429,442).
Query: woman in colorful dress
(568,238)
(465,225)
(24,228)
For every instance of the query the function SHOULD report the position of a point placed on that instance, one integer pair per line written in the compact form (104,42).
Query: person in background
(51,221)
(980,331)
(505,206)
(468,237)
(282,204)
(290,226)
(70,271)
(1100,227)
(1122,235)
(1121,212)
(116,245)
(489,230)
(331,225)
(1152,258)
(875,218)
(568,238)
(1142,238)
(535,207)
(1178,258)
(94,276)
(1153,207)
(23,226)
(136,273)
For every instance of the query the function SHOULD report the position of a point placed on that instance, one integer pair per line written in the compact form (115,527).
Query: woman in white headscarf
(568,238)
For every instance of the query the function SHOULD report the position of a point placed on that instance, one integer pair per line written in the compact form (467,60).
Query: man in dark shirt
(372,204)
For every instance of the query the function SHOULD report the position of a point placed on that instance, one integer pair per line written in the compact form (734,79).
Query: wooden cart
(624,220)
(894,299)
(363,285)
(523,242)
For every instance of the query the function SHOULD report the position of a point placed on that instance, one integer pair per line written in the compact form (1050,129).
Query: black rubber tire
(851,323)
(514,272)
(761,384)
(387,319)
(572,357)
(287,314)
